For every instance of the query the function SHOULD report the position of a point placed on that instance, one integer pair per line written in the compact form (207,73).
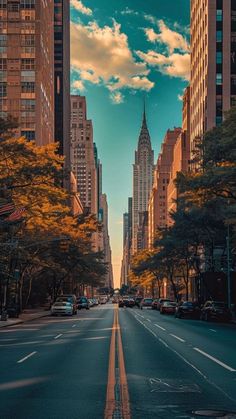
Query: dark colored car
(121,303)
(83,302)
(168,307)
(128,302)
(215,310)
(146,303)
(161,301)
(138,301)
(188,309)
(154,304)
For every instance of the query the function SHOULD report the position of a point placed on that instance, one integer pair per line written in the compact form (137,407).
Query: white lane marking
(177,337)
(149,320)
(163,342)
(157,325)
(74,325)
(58,336)
(26,357)
(212,330)
(222,364)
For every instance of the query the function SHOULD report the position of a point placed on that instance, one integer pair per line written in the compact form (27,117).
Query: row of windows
(15,6)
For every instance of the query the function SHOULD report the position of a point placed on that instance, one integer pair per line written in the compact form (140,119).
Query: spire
(144,136)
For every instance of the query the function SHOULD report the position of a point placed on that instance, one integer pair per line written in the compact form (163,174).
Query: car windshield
(148,300)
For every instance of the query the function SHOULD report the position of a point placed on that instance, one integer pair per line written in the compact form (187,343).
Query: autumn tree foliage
(48,247)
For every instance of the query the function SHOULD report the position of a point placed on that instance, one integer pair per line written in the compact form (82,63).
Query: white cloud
(174,65)
(78,85)
(150,18)
(101,55)
(78,5)
(172,39)
(117,98)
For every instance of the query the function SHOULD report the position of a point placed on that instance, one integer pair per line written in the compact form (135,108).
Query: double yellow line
(116,363)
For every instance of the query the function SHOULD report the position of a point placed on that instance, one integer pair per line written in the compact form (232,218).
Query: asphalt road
(158,367)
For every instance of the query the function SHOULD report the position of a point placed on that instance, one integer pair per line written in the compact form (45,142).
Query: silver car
(61,308)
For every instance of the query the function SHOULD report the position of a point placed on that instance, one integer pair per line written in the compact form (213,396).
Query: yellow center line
(111,402)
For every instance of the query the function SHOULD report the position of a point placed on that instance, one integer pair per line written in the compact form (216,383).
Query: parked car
(146,303)
(90,302)
(95,301)
(103,300)
(161,301)
(168,307)
(188,309)
(60,308)
(215,310)
(82,302)
(154,304)
(70,298)
(121,303)
(138,301)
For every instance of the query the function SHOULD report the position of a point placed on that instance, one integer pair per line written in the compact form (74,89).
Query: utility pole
(228,268)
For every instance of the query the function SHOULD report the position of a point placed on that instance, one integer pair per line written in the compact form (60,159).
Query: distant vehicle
(61,308)
(70,298)
(168,307)
(129,302)
(161,301)
(103,299)
(188,309)
(121,303)
(215,310)
(95,301)
(146,303)
(82,302)
(154,304)
(138,301)
(90,302)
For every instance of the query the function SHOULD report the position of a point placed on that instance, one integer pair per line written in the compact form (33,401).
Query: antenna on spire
(144,108)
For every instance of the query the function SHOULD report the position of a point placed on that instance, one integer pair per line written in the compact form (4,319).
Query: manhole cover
(215,414)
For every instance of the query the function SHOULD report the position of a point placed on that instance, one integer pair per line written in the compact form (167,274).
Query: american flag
(16,215)
(6,208)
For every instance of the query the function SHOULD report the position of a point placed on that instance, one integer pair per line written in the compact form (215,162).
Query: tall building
(106,243)
(27,67)
(158,202)
(62,77)
(83,162)
(125,226)
(142,179)
(213,64)
(181,156)
(127,244)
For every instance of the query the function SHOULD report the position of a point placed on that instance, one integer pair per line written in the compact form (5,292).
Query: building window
(27,104)
(3,64)
(219,15)
(27,87)
(218,120)
(218,57)
(27,4)
(27,76)
(29,135)
(28,64)
(3,90)
(13,7)
(219,36)
(3,4)
(219,79)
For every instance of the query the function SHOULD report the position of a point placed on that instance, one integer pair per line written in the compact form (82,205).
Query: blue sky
(121,52)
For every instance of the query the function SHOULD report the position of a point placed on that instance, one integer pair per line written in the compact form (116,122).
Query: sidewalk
(26,316)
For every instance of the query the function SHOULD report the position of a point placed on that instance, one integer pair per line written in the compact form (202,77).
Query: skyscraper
(142,179)
(62,77)
(82,154)
(26,66)
(213,64)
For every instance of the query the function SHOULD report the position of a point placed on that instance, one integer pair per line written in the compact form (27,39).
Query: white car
(61,308)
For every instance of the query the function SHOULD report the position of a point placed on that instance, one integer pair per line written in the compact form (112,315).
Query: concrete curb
(20,320)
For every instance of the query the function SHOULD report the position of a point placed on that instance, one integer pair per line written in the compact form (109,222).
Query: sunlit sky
(122,51)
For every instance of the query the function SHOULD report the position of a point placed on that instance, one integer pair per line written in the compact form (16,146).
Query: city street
(117,363)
